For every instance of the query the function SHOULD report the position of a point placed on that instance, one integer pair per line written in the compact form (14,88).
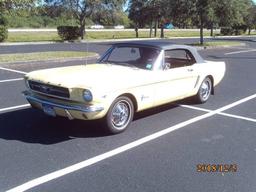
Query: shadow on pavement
(33,126)
(154,111)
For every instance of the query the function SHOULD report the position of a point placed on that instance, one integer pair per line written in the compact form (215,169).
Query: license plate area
(49,110)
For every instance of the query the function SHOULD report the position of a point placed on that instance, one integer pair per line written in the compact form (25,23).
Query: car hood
(91,76)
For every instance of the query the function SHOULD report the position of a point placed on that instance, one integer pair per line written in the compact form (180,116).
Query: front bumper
(68,110)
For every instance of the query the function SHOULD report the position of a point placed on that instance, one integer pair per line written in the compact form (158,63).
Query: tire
(119,116)
(204,91)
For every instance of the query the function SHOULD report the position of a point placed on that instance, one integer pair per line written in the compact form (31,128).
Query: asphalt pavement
(161,150)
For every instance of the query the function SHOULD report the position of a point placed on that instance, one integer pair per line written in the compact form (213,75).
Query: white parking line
(221,113)
(238,117)
(14,107)
(237,52)
(114,152)
(195,108)
(10,80)
(12,70)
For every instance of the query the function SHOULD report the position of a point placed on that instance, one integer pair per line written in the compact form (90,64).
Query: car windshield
(134,56)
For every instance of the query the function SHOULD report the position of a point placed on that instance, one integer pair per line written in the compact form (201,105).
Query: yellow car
(128,78)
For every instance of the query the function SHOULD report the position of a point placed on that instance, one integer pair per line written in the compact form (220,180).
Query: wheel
(204,91)
(120,115)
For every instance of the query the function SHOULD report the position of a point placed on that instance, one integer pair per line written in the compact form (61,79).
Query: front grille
(49,89)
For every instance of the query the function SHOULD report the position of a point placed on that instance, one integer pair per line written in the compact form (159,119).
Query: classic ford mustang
(128,78)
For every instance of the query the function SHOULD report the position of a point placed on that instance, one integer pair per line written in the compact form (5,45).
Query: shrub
(235,30)
(3,20)
(16,22)
(3,28)
(3,33)
(226,31)
(240,29)
(68,33)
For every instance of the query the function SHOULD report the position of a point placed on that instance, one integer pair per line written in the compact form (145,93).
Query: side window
(178,58)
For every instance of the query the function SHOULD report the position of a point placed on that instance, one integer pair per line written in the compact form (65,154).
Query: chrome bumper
(85,109)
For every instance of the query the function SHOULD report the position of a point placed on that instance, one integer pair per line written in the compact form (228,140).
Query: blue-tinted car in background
(168,26)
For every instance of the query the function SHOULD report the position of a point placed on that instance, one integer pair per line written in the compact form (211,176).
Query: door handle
(190,70)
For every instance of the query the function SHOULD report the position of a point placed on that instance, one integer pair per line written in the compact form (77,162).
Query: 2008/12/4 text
(212,168)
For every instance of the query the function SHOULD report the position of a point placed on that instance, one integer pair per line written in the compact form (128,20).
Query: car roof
(156,44)
(163,45)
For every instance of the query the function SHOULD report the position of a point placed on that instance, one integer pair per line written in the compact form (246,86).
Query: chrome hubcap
(205,90)
(120,114)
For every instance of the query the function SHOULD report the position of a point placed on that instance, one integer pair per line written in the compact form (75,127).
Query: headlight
(87,95)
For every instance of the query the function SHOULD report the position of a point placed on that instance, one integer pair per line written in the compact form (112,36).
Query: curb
(218,46)
(83,41)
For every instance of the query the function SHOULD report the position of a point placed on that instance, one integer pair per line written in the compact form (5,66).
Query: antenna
(87,48)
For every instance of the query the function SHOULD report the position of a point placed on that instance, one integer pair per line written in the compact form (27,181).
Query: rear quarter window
(179,58)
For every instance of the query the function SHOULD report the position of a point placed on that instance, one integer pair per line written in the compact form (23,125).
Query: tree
(250,19)
(201,7)
(144,12)
(188,12)
(212,19)
(182,13)
(108,14)
(136,9)
(3,24)
(153,12)
(232,12)
(82,9)
(9,5)
(206,13)
(162,10)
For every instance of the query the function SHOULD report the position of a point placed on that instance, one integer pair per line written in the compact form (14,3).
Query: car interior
(178,58)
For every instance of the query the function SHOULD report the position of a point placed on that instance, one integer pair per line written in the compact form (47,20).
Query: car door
(178,77)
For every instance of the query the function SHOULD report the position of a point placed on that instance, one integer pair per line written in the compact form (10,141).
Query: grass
(7,58)
(53,36)
(142,34)
(185,33)
(32,36)
(218,43)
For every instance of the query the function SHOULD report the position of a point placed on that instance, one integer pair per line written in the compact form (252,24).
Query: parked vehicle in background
(97,27)
(119,27)
(168,26)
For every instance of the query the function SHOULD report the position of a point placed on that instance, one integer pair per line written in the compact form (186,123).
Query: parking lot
(160,151)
